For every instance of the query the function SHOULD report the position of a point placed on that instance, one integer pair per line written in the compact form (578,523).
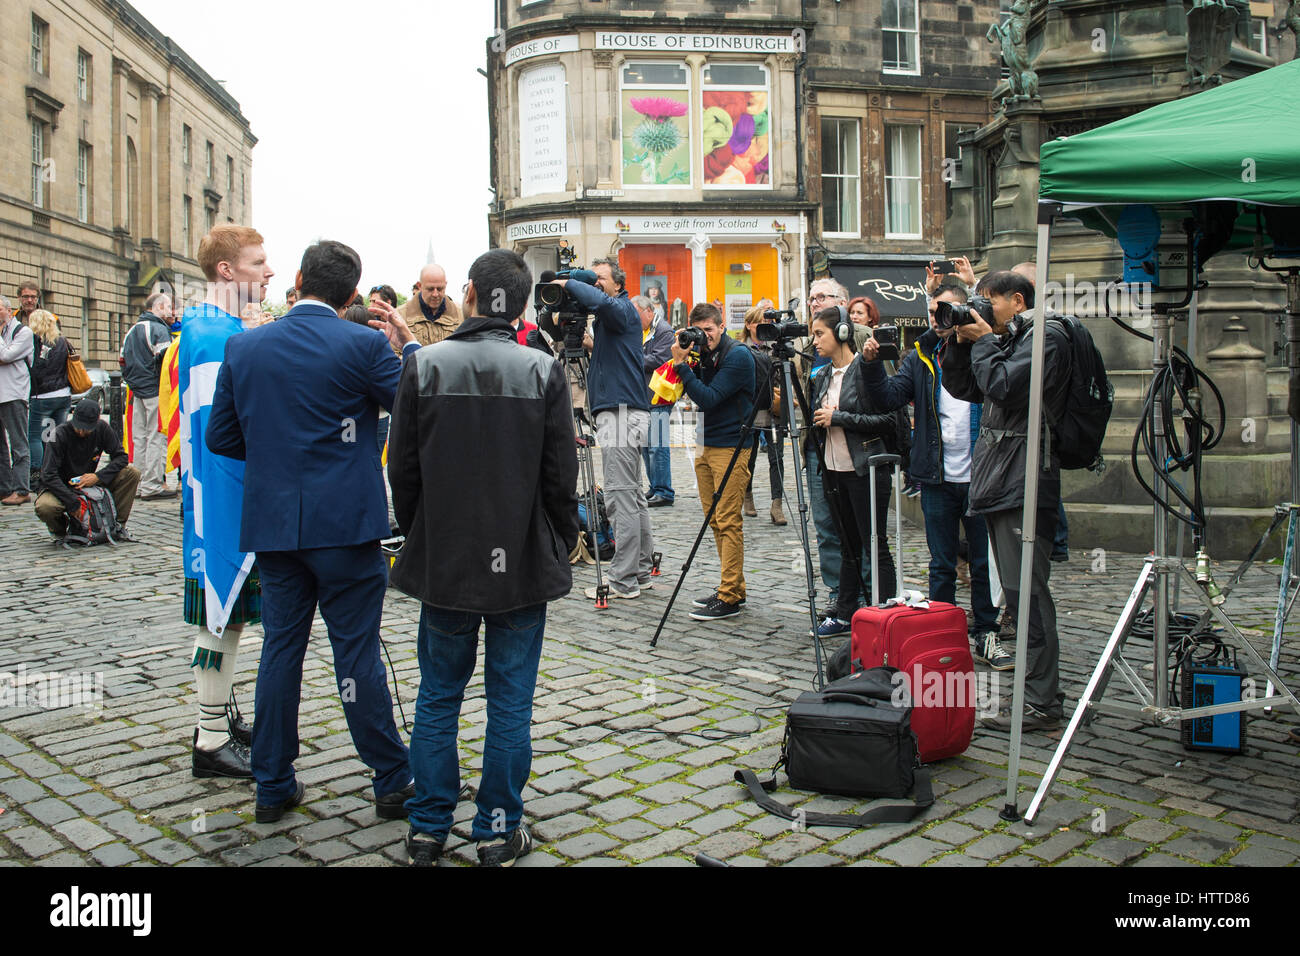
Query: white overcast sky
(371,121)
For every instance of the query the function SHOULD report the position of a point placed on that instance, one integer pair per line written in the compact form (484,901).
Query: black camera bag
(850,738)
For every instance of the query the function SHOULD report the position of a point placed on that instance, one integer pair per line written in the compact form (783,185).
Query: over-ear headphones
(844,328)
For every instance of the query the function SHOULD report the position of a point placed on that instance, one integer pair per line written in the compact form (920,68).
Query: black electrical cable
(1176,378)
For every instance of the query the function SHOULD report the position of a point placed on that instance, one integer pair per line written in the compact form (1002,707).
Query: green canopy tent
(1229,157)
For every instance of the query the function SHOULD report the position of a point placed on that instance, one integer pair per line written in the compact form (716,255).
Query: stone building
(890,87)
(120,152)
(686,138)
(1097,62)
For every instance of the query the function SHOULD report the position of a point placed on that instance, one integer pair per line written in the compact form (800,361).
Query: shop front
(896,284)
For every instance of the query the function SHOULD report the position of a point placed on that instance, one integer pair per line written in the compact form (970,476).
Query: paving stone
(33,842)
(115,854)
(1115,850)
(65,784)
(615,810)
(329,851)
(656,846)
(168,851)
(584,845)
(83,834)
(1261,856)
(1057,845)
(256,852)
(1150,831)
(631,830)
(1161,860)
(1200,846)
(787,848)
(1224,831)
(665,793)
(654,772)
(557,828)
(673,815)
(603,789)
(22,791)
(51,811)
(556,804)
(713,822)
(560,780)
(991,847)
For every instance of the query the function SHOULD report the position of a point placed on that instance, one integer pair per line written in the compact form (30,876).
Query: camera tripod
(783,353)
(576,365)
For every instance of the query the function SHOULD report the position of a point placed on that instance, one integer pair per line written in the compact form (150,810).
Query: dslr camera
(949,315)
(693,340)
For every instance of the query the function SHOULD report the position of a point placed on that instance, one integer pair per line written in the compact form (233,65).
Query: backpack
(96,522)
(1088,401)
(604,533)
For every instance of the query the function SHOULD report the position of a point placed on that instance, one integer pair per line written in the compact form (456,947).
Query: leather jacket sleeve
(958,379)
(1002,374)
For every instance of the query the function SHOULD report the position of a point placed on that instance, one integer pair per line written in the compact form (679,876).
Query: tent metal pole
(1046,213)
(1191,353)
(1161,332)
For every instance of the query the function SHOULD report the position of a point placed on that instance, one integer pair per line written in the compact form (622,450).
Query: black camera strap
(760,790)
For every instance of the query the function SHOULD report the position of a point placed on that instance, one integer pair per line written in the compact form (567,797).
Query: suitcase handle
(852,699)
(895,465)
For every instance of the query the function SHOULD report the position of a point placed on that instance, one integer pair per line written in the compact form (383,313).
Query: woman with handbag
(51,392)
(851,430)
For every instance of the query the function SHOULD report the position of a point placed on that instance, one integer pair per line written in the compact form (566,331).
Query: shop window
(903,182)
(654,101)
(840,177)
(900,39)
(662,273)
(736,126)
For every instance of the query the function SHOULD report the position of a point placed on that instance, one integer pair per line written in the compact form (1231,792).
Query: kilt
(247,609)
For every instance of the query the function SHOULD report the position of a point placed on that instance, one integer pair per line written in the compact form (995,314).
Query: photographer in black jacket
(991,363)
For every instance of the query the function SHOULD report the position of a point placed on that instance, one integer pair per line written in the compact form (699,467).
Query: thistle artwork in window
(736,134)
(656,149)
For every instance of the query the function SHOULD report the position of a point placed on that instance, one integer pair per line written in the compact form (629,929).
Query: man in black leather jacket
(992,364)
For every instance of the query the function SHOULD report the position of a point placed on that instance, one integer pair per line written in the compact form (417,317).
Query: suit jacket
(298,400)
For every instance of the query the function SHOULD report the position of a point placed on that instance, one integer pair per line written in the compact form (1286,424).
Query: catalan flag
(665,385)
(169,403)
(127,442)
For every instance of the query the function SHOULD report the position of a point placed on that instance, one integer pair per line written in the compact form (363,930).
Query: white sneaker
(615,593)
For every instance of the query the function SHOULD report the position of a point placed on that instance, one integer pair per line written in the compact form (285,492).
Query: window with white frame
(840,178)
(736,120)
(40,46)
(654,114)
(83,76)
(1259,35)
(900,37)
(208,160)
(84,155)
(187,138)
(903,182)
(39,174)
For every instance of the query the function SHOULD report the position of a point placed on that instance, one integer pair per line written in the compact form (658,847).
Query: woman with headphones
(850,429)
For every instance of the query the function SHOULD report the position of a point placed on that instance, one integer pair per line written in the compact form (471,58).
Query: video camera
(948,315)
(559,315)
(781,325)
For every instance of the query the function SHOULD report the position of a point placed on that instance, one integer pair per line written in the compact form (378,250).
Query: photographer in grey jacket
(142,356)
(990,362)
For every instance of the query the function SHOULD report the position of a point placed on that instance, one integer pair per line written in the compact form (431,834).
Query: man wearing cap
(72,457)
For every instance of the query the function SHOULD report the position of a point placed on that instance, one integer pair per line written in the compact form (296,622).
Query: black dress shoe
(392,806)
(659,502)
(231,759)
(273,812)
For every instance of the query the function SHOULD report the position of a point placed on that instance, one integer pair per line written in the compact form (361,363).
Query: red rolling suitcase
(925,640)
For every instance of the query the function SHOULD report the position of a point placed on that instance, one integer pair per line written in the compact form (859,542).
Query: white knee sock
(214,674)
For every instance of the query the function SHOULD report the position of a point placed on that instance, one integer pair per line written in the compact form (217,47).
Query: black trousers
(851,495)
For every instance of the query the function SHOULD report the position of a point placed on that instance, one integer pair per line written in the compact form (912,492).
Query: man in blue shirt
(620,402)
(723,389)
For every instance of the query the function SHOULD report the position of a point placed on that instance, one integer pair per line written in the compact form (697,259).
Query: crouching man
(70,459)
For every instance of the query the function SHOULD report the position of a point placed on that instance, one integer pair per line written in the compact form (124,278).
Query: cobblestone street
(634,748)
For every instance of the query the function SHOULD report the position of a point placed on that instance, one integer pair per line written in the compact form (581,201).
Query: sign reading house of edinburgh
(695,42)
(689,225)
(541,228)
(542,142)
(540,47)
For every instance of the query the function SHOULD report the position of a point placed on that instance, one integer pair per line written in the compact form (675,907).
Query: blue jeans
(448,646)
(945,506)
(657,453)
(1061,544)
(45,415)
(350,584)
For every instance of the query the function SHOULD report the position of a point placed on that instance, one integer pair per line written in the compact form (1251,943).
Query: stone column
(149,165)
(121,72)
(1015,238)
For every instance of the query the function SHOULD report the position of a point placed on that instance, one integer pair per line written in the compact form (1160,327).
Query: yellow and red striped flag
(169,404)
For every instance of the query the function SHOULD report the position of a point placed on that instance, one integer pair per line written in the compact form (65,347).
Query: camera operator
(989,361)
(620,402)
(946,428)
(723,389)
(852,431)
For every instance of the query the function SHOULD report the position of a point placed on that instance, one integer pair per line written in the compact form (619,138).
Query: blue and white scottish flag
(212,486)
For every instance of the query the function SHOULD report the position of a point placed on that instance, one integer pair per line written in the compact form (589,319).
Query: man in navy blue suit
(298,401)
